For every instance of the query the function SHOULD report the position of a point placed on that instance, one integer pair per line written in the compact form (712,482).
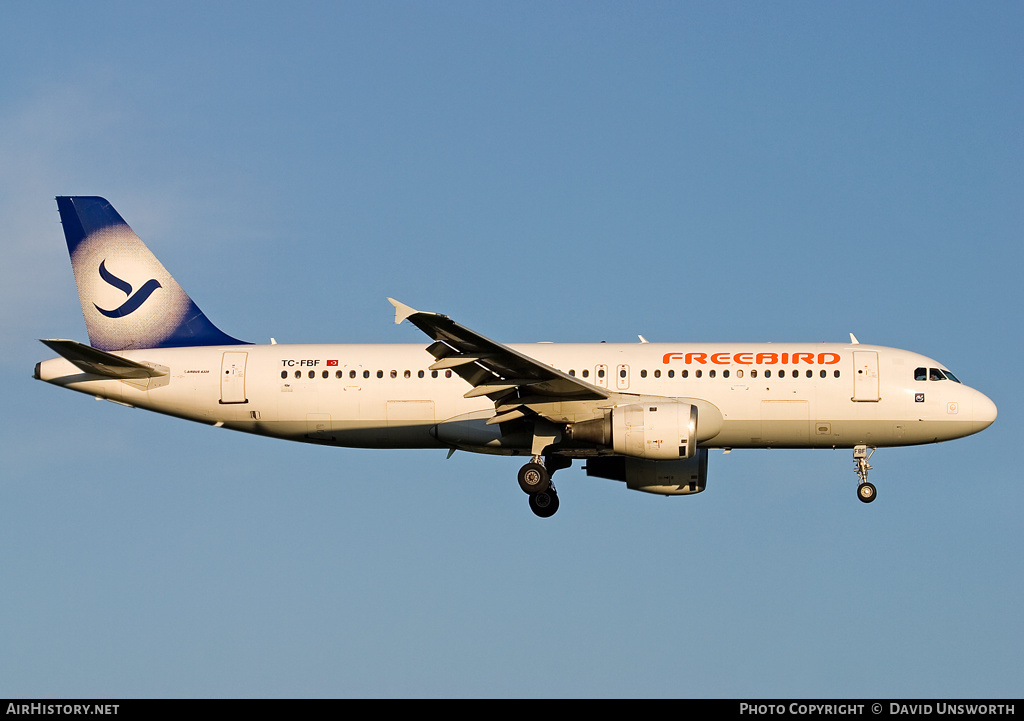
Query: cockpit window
(934,374)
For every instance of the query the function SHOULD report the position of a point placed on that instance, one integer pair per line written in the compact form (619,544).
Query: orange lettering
(805,357)
(696,357)
(767,358)
(671,356)
(745,358)
(720,358)
(827,359)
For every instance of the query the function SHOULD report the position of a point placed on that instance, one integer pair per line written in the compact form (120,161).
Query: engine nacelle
(665,430)
(668,478)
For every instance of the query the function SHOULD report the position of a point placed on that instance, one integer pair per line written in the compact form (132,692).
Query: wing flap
(498,387)
(505,416)
(455,361)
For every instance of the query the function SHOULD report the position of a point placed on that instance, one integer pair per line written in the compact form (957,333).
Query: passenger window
(837,374)
(312,374)
(447,374)
(586,374)
(380,374)
(408,374)
(298,374)
(753,373)
(600,372)
(699,372)
(671,374)
(643,374)
(711,373)
(768,373)
(572,373)
(725,374)
(824,374)
(810,374)
(326,374)
(351,374)
(284,374)
(420,374)
(685,374)
(433,374)
(366,374)
(739,373)
(622,373)
(339,374)
(657,373)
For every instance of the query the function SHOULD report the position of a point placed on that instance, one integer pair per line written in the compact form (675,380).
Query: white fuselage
(769,395)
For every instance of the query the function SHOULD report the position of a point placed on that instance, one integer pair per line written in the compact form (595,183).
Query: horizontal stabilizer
(97,362)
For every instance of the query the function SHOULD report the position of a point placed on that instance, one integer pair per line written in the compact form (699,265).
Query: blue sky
(538,171)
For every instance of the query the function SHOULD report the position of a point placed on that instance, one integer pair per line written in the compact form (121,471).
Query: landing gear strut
(865,491)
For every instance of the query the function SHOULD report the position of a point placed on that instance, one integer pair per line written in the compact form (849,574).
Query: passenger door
(865,376)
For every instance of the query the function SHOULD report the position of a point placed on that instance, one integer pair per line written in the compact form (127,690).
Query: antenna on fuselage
(853,339)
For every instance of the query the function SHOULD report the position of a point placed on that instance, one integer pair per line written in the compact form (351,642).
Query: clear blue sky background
(573,171)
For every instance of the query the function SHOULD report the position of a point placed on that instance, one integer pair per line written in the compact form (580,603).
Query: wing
(513,380)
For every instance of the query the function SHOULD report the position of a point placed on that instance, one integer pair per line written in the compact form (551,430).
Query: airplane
(645,414)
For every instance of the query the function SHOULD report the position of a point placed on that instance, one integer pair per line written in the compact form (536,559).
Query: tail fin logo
(133,302)
(141,306)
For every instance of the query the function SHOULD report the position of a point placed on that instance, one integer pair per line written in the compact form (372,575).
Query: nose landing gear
(866,492)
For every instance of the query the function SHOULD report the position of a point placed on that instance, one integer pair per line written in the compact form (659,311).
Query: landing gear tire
(544,503)
(866,492)
(534,478)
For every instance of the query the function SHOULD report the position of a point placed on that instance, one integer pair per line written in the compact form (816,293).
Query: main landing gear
(535,480)
(865,491)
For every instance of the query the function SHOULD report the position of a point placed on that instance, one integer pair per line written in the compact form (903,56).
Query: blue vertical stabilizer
(128,298)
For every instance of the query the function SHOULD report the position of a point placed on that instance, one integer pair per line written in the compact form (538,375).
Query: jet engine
(668,478)
(665,430)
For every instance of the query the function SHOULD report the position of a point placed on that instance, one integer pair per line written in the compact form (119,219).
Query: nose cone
(984,412)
